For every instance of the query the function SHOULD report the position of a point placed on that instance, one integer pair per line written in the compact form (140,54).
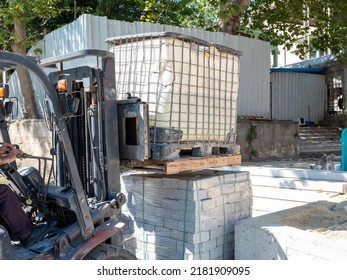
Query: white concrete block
(295,173)
(310,232)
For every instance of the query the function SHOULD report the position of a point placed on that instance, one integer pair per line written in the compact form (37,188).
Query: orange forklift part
(62,86)
(2,92)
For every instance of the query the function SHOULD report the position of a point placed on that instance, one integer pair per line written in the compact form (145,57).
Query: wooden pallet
(175,151)
(186,164)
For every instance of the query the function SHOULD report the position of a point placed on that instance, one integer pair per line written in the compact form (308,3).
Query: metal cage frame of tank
(190,85)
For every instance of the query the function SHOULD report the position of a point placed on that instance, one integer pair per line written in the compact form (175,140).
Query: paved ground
(301,164)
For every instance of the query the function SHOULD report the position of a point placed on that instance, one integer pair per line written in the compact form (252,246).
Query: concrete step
(316,154)
(316,141)
(320,136)
(309,133)
(318,128)
(320,147)
(321,143)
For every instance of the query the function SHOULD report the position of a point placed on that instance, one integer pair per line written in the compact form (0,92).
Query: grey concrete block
(241,186)
(192,238)
(162,231)
(171,204)
(220,241)
(200,226)
(148,220)
(209,245)
(193,212)
(217,232)
(202,256)
(217,181)
(215,191)
(171,224)
(229,188)
(218,211)
(229,209)
(166,242)
(176,184)
(196,249)
(197,238)
(217,253)
(242,176)
(242,206)
(234,197)
(207,204)
(182,215)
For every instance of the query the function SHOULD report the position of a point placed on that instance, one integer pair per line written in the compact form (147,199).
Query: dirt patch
(324,217)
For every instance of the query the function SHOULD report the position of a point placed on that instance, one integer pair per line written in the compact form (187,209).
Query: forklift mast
(89,104)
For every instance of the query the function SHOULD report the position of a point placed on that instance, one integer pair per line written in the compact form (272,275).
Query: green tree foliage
(126,10)
(68,10)
(288,22)
(281,22)
(183,13)
(230,14)
(21,24)
(34,15)
(199,14)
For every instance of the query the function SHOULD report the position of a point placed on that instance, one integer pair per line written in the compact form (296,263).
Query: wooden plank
(196,164)
(185,164)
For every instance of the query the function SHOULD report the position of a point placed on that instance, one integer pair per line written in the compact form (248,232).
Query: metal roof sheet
(299,70)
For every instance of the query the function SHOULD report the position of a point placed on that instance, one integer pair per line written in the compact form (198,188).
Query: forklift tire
(109,252)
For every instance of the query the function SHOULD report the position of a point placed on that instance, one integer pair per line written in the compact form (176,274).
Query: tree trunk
(30,110)
(230,24)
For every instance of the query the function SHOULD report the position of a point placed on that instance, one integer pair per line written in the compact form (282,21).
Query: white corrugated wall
(91,32)
(297,95)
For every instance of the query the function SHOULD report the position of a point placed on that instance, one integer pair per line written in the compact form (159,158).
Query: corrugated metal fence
(90,32)
(297,95)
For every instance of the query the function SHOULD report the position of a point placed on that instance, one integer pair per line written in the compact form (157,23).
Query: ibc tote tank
(191,85)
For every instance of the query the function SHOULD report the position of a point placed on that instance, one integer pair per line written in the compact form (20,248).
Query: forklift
(76,189)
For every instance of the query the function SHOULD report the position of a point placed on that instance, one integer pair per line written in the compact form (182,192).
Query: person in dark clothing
(12,216)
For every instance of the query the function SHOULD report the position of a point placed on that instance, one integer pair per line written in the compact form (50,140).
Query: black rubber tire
(109,252)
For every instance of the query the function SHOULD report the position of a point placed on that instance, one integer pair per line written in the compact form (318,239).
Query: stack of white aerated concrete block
(185,216)
(315,231)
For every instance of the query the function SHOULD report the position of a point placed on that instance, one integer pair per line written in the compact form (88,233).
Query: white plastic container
(191,86)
